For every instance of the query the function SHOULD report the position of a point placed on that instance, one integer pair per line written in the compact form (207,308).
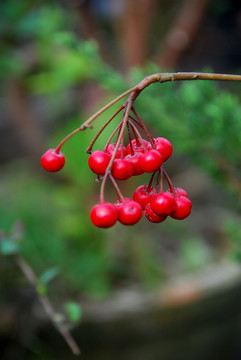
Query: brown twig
(136,90)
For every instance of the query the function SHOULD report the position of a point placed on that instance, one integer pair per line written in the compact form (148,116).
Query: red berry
(180,192)
(104,215)
(98,162)
(130,212)
(163,203)
(135,160)
(52,161)
(182,208)
(144,194)
(122,169)
(121,152)
(164,147)
(153,217)
(151,161)
(138,146)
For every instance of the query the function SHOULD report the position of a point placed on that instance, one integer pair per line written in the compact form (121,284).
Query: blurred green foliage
(203,122)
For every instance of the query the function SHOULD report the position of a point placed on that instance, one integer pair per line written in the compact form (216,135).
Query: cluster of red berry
(135,159)
(118,162)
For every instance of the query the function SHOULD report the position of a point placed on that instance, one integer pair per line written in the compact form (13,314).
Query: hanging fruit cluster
(118,162)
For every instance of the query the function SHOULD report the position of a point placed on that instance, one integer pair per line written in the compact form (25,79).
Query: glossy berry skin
(130,212)
(163,203)
(180,192)
(153,217)
(182,208)
(52,161)
(122,169)
(121,152)
(144,194)
(138,146)
(98,162)
(151,161)
(104,215)
(163,146)
(135,160)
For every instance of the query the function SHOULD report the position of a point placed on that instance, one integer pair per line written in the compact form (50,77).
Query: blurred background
(171,290)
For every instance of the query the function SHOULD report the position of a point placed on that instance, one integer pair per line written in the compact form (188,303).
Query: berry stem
(66,138)
(137,134)
(150,182)
(129,137)
(129,104)
(171,187)
(111,136)
(117,189)
(102,188)
(89,148)
(143,126)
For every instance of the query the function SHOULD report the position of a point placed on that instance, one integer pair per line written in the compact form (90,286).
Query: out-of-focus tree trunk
(132,30)
(24,121)
(182,33)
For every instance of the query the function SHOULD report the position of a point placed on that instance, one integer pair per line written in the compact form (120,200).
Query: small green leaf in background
(73,311)
(41,289)
(49,275)
(8,247)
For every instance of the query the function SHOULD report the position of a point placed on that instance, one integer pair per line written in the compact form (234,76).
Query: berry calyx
(130,212)
(151,161)
(52,161)
(153,217)
(139,146)
(98,162)
(180,192)
(144,194)
(182,208)
(121,152)
(135,160)
(163,203)
(122,169)
(104,215)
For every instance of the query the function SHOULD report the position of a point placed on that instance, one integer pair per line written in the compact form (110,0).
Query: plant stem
(33,280)
(129,103)
(143,126)
(102,188)
(117,189)
(136,90)
(89,148)
(67,138)
(169,181)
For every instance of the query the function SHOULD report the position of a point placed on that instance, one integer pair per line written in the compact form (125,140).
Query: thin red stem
(117,189)
(111,136)
(150,138)
(89,148)
(171,187)
(150,182)
(124,122)
(129,137)
(66,138)
(102,188)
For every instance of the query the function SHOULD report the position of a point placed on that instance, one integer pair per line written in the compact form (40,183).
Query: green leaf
(49,275)
(8,247)
(73,311)
(41,289)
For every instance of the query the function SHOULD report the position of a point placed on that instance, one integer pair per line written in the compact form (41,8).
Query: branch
(32,278)
(158,77)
